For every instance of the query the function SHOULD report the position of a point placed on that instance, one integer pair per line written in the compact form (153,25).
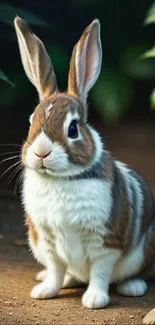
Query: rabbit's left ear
(36,62)
(85,64)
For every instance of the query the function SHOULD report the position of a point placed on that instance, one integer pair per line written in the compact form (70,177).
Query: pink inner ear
(88,69)
(91,58)
(88,59)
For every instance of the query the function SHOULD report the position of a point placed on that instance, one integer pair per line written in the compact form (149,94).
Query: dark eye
(73,130)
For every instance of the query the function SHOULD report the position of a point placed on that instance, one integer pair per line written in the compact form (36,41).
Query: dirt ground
(134,145)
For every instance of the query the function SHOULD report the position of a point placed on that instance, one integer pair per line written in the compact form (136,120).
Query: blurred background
(120,104)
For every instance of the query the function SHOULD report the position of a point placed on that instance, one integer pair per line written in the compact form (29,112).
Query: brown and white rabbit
(90,218)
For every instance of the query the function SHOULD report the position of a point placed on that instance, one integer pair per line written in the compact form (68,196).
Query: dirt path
(17,272)
(17,268)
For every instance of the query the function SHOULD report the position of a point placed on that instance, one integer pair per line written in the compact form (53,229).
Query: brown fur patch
(72,85)
(118,224)
(32,233)
(81,151)
(149,251)
(108,169)
(148,214)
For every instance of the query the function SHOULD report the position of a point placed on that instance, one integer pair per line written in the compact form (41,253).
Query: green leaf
(150,16)
(8,13)
(111,95)
(10,96)
(152,100)
(149,54)
(5,78)
(132,65)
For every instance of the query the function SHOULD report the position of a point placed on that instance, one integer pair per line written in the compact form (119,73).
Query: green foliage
(112,95)
(150,17)
(11,95)
(113,92)
(5,78)
(149,53)
(8,13)
(122,48)
(152,99)
(133,66)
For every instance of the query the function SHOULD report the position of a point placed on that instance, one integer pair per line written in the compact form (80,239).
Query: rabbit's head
(60,141)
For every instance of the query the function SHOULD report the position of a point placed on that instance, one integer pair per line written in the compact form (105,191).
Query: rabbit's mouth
(43,168)
(46,170)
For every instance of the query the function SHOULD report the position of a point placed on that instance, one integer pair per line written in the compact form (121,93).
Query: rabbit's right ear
(36,62)
(85,64)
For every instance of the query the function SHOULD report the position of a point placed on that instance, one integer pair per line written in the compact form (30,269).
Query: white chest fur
(76,211)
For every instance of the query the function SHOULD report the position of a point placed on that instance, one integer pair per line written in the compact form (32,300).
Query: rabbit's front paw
(132,288)
(43,291)
(95,299)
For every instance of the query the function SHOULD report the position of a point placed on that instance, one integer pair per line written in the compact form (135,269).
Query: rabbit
(90,218)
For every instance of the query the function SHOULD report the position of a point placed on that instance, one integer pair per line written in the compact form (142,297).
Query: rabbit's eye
(73,130)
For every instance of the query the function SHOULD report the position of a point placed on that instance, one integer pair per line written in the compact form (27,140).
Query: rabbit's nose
(42,155)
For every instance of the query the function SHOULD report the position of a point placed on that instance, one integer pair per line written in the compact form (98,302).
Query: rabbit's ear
(85,64)
(35,59)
